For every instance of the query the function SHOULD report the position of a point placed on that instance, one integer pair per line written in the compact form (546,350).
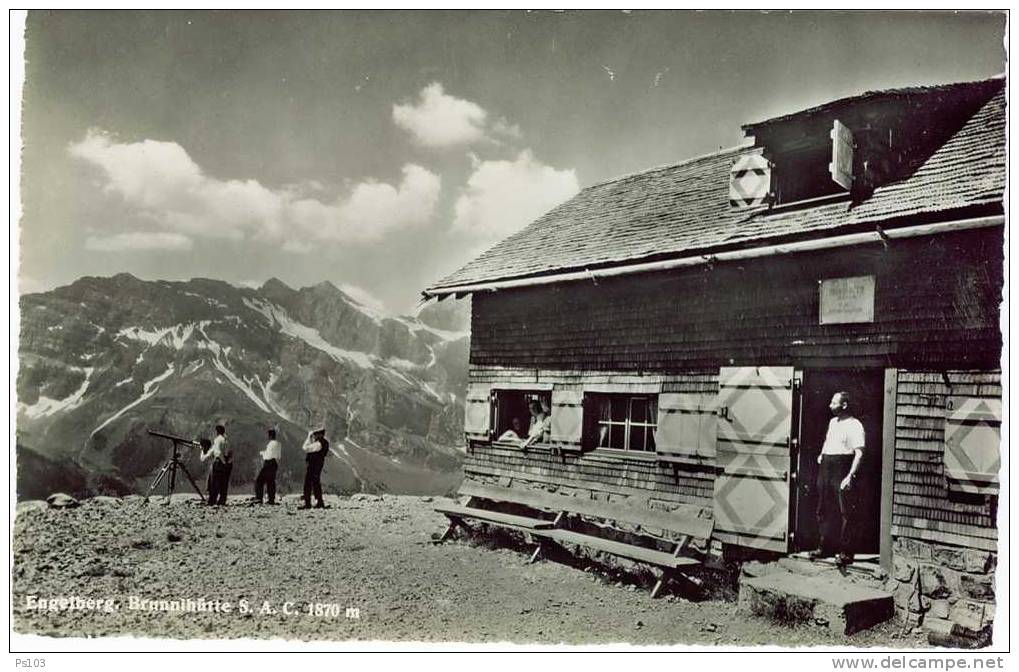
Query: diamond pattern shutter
(755,421)
(568,419)
(478,412)
(749,181)
(972,444)
(686,427)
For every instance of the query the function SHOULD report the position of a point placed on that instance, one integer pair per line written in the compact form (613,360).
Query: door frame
(888,468)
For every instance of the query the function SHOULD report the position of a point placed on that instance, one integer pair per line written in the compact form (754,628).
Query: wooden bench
(543,531)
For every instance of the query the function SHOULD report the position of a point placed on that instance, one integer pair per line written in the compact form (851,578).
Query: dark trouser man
(216,482)
(835,505)
(224,483)
(313,479)
(266,481)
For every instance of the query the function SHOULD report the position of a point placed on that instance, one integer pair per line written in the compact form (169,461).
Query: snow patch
(174,336)
(415,326)
(278,317)
(46,406)
(148,390)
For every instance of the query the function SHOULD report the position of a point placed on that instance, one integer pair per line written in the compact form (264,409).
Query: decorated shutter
(841,166)
(755,424)
(686,427)
(568,418)
(750,181)
(972,440)
(478,412)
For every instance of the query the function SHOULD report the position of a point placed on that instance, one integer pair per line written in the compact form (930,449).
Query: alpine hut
(686,327)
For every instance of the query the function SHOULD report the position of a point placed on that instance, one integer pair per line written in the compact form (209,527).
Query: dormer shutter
(750,181)
(841,166)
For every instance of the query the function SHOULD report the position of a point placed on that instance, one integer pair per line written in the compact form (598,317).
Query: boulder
(60,500)
(904,569)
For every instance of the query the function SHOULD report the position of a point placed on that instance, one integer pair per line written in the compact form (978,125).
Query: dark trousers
(835,505)
(313,479)
(266,480)
(219,482)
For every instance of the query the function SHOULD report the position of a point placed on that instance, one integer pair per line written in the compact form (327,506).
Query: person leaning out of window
(541,424)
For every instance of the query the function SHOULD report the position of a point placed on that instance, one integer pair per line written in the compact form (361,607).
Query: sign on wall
(847,300)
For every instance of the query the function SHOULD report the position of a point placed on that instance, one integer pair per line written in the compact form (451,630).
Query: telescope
(169,470)
(176,439)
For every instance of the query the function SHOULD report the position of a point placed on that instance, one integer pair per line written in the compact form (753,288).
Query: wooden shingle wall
(922,508)
(936,306)
(639,478)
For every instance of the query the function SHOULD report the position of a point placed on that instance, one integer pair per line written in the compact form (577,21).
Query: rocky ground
(372,554)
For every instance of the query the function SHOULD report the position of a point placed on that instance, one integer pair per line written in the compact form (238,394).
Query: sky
(381,151)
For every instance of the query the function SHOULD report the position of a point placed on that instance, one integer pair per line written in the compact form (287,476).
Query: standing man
(222,464)
(266,479)
(315,448)
(840,460)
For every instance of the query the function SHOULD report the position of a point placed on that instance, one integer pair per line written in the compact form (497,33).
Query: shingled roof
(682,210)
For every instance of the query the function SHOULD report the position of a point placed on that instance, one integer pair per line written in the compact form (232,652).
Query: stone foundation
(945,589)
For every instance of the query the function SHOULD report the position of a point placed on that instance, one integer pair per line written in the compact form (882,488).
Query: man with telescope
(315,450)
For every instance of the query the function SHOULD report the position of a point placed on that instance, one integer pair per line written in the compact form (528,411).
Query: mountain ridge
(103,359)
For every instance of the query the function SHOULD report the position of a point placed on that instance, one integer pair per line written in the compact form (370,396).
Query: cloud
(501,197)
(165,185)
(139,241)
(439,120)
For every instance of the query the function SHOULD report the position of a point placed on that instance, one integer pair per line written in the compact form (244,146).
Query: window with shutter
(972,445)
(623,422)
(686,427)
(512,418)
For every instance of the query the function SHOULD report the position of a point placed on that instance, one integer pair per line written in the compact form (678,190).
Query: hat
(318,428)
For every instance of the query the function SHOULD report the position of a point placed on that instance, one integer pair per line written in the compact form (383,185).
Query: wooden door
(756,412)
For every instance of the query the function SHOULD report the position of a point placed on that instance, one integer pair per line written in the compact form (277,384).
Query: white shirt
(312,446)
(539,427)
(220,450)
(844,437)
(272,451)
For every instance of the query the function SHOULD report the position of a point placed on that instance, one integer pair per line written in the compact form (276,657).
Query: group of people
(220,455)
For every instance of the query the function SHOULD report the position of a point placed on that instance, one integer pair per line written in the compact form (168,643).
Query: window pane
(617,437)
(638,409)
(637,438)
(651,440)
(619,409)
(603,435)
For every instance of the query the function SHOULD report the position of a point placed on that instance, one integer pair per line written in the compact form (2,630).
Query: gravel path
(370,554)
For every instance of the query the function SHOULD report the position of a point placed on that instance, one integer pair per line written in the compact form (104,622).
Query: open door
(757,407)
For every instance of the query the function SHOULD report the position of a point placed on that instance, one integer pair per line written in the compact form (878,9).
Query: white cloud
(138,240)
(501,197)
(438,119)
(167,187)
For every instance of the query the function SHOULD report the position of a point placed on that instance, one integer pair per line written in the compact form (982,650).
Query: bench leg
(453,524)
(665,577)
(537,552)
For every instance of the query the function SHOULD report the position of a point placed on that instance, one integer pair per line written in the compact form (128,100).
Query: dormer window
(817,162)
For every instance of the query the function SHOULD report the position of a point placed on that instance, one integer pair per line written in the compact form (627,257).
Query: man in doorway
(839,463)
(315,449)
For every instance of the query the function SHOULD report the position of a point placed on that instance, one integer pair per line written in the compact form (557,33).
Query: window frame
(540,391)
(594,425)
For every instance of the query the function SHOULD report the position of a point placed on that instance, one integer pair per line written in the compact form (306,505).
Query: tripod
(171,467)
